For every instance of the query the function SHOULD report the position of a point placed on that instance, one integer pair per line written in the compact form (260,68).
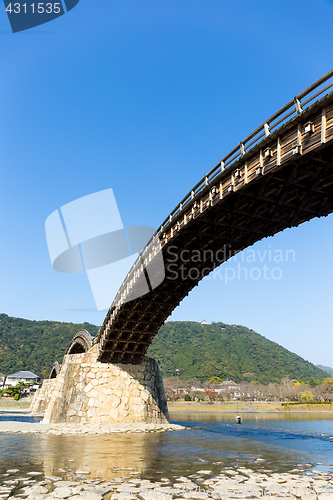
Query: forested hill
(199,351)
(226,351)
(35,345)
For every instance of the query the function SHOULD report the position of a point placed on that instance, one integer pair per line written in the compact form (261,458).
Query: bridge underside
(286,196)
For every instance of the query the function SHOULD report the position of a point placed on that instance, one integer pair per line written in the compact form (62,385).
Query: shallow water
(281,442)
(5,416)
(212,441)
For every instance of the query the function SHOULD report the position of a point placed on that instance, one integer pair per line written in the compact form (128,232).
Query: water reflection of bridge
(102,455)
(278,177)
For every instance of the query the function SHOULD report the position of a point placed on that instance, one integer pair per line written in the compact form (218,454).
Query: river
(264,442)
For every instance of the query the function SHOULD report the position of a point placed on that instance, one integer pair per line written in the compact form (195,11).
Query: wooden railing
(294,107)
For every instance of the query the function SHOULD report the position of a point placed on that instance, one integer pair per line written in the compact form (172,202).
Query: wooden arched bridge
(278,177)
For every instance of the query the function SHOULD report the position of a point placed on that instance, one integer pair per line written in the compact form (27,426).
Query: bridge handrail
(266,128)
(293,107)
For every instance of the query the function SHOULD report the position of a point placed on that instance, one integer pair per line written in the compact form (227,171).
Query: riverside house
(26,377)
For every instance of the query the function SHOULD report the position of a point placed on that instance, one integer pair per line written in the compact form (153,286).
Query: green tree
(17,390)
(215,380)
(306,396)
(313,382)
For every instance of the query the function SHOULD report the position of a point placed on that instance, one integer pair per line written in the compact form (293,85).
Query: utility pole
(177,371)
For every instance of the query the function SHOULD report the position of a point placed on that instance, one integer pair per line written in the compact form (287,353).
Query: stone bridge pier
(84,390)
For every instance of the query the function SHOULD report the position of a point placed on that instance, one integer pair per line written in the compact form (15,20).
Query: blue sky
(145,97)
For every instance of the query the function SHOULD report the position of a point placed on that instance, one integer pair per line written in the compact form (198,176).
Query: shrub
(187,397)
(16,397)
(307,403)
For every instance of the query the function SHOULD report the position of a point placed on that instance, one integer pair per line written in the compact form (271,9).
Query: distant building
(203,322)
(229,386)
(2,379)
(182,390)
(26,377)
(197,389)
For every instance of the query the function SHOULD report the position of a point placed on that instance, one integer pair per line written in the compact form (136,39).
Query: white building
(26,377)
(229,386)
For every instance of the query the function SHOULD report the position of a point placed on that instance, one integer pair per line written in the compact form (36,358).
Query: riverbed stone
(62,492)
(87,496)
(65,484)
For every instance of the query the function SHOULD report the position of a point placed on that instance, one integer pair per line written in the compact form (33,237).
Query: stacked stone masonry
(42,397)
(86,391)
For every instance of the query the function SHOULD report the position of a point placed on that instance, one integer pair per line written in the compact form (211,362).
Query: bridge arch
(280,176)
(55,370)
(81,342)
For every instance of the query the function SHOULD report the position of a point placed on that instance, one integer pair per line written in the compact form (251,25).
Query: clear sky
(145,97)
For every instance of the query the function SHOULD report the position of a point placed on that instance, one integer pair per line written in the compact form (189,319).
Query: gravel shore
(230,483)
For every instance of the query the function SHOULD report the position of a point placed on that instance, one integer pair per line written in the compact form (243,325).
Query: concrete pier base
(86,391)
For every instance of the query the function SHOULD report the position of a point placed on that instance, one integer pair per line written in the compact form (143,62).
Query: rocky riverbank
(20,421)
(235,482)
(60,429)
